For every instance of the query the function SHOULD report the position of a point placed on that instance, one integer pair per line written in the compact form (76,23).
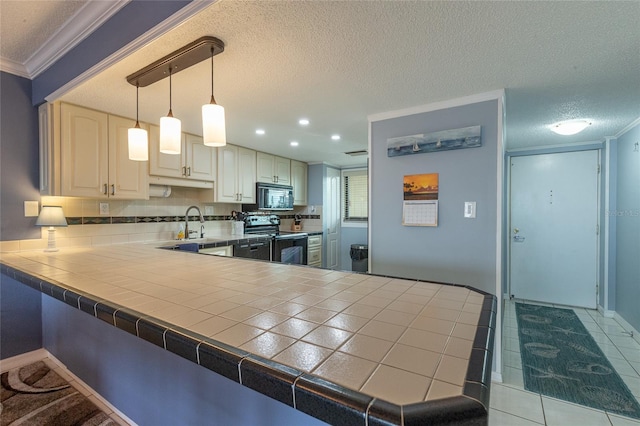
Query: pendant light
(213,125)
(170,128)
(138,139)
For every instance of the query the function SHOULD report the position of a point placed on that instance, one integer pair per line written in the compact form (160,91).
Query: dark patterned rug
(560,359)
(36,395)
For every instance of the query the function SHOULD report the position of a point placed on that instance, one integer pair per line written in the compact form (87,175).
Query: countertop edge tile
(269,378)
(330,402)
(455,410)
(384,413)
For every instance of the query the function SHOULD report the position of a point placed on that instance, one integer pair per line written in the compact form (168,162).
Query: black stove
(286,247)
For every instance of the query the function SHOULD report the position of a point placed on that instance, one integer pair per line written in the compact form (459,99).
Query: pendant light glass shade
(170,135)
(138,144)
(170,130)
(138,139)
(214,131)
(213,127)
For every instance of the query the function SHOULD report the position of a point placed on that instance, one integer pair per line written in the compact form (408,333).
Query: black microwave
(274,197)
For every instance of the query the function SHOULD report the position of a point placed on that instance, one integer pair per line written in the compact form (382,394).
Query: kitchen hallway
(512,405)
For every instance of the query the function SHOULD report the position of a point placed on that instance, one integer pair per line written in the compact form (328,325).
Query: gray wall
(627,213)
(350,236)
(20,318)
(18,158)
(150,385)
(458,250)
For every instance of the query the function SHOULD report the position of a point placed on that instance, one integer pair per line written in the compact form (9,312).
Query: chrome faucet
(186,221)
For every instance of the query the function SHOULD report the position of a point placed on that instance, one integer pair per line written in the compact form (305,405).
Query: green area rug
(560,359)
(36,395)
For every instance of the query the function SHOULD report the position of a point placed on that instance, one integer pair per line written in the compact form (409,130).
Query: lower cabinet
(314,251)
(218,251)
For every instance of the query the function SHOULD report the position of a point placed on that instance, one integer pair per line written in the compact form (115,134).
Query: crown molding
(451,103)
(163,27)
(86,20)
(13,67)
(630,126)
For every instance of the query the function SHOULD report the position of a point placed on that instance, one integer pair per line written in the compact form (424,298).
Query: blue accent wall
(19,153)
(348,236)
(20,318)
(627,212)
(458,250)
(315,176)
(129,23)
(150,385)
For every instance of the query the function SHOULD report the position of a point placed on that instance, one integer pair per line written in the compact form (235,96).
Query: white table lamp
(51,216)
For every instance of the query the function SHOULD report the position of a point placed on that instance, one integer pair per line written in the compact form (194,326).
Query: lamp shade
(51,216)
(213,125)
(138,144)
(568,128)
(170,137)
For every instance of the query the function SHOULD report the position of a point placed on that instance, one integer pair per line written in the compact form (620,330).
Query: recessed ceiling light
(335,137)
(570,127)
(294,143)
(259,131)
(303,122)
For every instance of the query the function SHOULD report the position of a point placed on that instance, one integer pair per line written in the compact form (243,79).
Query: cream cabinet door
(299,182)
(247,175)
(282,170)
(128,179)
(227,188)
(169,165)
(200,159)
(85,152)
(264,168)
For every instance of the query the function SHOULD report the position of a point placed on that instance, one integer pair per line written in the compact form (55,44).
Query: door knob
(516,230)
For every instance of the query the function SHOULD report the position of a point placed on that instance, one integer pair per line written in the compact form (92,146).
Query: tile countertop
(344,347)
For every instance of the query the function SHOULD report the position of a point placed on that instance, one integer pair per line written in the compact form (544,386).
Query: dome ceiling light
(570,127)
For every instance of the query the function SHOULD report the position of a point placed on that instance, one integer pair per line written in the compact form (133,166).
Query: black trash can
(359,257)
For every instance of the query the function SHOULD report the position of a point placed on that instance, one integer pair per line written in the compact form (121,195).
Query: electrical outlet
(470,209)
(104,208)
(30,208)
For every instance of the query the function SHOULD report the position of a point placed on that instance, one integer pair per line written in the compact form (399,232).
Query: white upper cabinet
(273,169)
(94,160)
(299,182)
(196,161)
(236,175)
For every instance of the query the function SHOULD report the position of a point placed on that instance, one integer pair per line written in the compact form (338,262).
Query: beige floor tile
(469,318)
(412,359)
(371,348)
(560,413)
(219,307)
(499,418)
(241,313)
(289,308)
(303,356)
(405,306)
(327,337)
(346,370)
(190,318)
(454,305)
(379,302)
(333,304)
(440,313)
(396,385)
(361,310)
(268,344)
(464,331)
(516,402)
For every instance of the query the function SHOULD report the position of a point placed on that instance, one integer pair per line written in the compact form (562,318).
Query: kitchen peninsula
(344,348)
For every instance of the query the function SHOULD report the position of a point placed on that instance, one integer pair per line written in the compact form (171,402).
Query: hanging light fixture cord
(213,101)
(137,126)
(170,112)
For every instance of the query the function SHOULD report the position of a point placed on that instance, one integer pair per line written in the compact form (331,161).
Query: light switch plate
(104,208)
(470,209)
(31,208)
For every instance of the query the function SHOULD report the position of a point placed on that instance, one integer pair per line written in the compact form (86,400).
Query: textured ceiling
(18,20)
(338,62)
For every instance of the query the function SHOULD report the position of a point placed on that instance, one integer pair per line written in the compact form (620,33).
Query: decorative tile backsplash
(155,219)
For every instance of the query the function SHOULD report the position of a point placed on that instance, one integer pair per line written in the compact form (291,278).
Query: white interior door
(554,224)
(332,218)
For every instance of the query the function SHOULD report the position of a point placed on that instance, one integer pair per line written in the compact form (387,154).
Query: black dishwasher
(260,250)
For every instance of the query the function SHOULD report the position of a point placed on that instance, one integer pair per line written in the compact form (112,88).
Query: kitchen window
(355,197)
